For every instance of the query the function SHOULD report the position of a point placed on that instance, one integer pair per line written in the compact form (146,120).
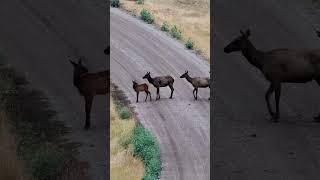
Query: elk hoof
(86,127)
(275,118)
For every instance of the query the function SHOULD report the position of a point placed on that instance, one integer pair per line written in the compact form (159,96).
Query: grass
(123,164)
(146,16)
(11,166)
(129,138)
(41,142)
(191,17)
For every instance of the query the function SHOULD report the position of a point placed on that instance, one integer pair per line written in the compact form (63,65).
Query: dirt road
(181,124)
(288,150)
(38,37)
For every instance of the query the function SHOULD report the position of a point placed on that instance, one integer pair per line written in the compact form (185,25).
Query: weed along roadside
(140,142)
(188,23)
(40,145)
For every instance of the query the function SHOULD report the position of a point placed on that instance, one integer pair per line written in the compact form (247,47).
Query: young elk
(197,82)
(279,66)
(89,85)
(160,81)
(141,87)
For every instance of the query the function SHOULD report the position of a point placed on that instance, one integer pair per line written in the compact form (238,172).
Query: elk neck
(150,79)
(189,79)
(253,55)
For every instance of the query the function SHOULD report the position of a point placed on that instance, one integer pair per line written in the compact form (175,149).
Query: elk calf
(141,87)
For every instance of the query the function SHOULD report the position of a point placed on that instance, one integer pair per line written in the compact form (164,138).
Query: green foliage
(146,148)
(123,112)
(115,3)
(45,164)
(189,44)
(176,32)
(146,16)
(140,1)
(165,26)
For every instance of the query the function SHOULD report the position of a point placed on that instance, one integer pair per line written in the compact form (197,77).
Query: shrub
(45,164)
(146,16)
(147,149)
(189,44)
(124,112)
(115,3)
(140,1)
(175,32)
(165,26)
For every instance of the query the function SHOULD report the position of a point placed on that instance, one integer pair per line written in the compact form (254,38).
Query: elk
(197,82)
(89,85)
(160,81)
(279,66)
(318,33)
(141,87)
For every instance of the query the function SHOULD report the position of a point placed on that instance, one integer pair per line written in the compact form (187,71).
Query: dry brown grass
(123,165)
(11,166)
(192,16)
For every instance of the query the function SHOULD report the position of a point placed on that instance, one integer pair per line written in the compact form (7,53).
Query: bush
(165,26)
(175,32)
(146,16)
(124,112)
(45,164)
(146,148)
(115,3)
(189,44)
(140,1)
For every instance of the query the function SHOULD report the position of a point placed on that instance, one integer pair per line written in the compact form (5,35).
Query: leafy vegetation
(165,26)
(176,32)
(115,3)
(140,1)
(146,16)
(189,44)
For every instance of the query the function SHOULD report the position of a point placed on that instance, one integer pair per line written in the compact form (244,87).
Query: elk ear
(73,63)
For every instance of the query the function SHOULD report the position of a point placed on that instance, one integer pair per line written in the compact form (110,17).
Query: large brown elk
(139,88)
(160,81)
(197,82)
(279,66)
(89,85)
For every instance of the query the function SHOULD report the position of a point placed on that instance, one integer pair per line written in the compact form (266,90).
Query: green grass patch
(146,16)
(41,137)
(146,148)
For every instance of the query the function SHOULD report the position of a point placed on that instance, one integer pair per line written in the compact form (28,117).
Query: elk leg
(317,118)
(267,97)
(149,94)
(194,93)
(88,102)
(158,94)
(277,98)
(137,97)
(146,96)
(172,89)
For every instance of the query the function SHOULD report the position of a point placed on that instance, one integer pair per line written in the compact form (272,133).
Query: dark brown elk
(279,66)
(139,88)
(89,85)
(197,82)
(160,81)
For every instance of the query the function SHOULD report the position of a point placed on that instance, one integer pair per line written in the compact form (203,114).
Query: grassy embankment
(134,153)
(32,139)
(185,20)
